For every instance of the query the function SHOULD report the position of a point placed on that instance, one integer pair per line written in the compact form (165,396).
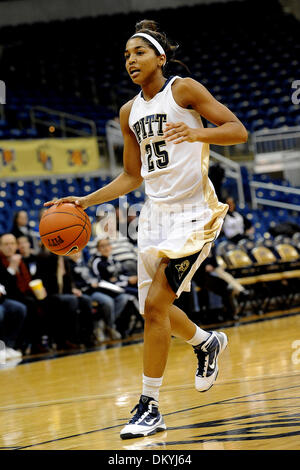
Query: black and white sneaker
(207,354)
(146,421)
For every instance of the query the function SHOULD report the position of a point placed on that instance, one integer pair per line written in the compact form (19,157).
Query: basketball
(65,229)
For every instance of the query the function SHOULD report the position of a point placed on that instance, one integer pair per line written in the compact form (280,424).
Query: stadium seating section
(77,65)
(30,196)
(269,267)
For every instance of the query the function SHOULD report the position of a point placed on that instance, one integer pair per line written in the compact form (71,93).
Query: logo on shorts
(182,267)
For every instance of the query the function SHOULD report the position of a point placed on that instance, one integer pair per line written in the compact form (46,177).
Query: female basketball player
(166,144)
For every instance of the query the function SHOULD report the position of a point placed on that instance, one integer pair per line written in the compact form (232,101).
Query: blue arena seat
(15,133)
(280,121)
(249,69)
(3,123)
(31,133)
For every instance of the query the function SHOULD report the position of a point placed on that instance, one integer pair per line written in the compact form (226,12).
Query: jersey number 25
(162,157)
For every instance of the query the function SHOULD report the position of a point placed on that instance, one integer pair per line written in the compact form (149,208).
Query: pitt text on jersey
(150,126)
(144,127)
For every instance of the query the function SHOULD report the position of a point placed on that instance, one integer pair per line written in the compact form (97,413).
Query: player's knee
(154,310)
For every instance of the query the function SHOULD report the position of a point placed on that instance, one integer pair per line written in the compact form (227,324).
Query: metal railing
(61,122)
(278,150)
(254,185)
(276,140)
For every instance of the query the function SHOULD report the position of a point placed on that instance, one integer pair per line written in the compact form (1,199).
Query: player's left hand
(178,132)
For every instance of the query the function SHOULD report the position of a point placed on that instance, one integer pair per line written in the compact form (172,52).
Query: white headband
(152,40)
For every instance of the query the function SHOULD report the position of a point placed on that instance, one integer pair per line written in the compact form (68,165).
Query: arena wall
(31,11)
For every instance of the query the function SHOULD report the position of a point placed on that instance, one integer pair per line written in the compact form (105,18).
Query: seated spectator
(20,227)
(127,223)
(124,252)
(12,316)
(238,290)
(124,242)
(37,264)
(206,277)
(15,277)
(109,308)
(25,250)
(113,224)
(71,310)
(105,266)
(236,226)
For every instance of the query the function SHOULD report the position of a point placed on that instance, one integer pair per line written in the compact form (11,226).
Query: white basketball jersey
(172,172)
(182,215)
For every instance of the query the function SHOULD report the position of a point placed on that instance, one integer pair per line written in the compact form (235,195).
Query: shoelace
(202,362)
(141,410)
(135,408)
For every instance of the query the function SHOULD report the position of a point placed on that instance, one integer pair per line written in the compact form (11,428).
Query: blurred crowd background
(63,82)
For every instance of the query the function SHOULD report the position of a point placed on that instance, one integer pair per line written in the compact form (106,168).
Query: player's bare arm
(127,181)
(190,93)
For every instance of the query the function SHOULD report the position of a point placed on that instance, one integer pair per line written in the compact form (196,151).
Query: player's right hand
(78,201)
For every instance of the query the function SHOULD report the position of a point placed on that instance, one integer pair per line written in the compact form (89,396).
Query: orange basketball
(65,229)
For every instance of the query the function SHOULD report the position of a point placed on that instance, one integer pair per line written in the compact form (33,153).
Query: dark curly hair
(170,47)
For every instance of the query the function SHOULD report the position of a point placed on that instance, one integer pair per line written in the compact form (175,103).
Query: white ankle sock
(198,337)
(151,386)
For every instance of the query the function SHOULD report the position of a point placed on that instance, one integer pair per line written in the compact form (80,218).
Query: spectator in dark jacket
(111,305)
(206,277)
(12,316)
(72,313)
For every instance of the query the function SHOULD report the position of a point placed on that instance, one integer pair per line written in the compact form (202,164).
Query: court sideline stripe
(166,414)
(134,392)
(132,341)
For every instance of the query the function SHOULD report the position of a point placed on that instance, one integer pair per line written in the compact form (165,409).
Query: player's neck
(151,88)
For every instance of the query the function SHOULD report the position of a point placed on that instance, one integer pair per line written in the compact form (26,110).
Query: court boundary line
(174,388)
(132,341)
(220,402)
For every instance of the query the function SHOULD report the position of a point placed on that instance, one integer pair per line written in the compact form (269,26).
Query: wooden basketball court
(82,401)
